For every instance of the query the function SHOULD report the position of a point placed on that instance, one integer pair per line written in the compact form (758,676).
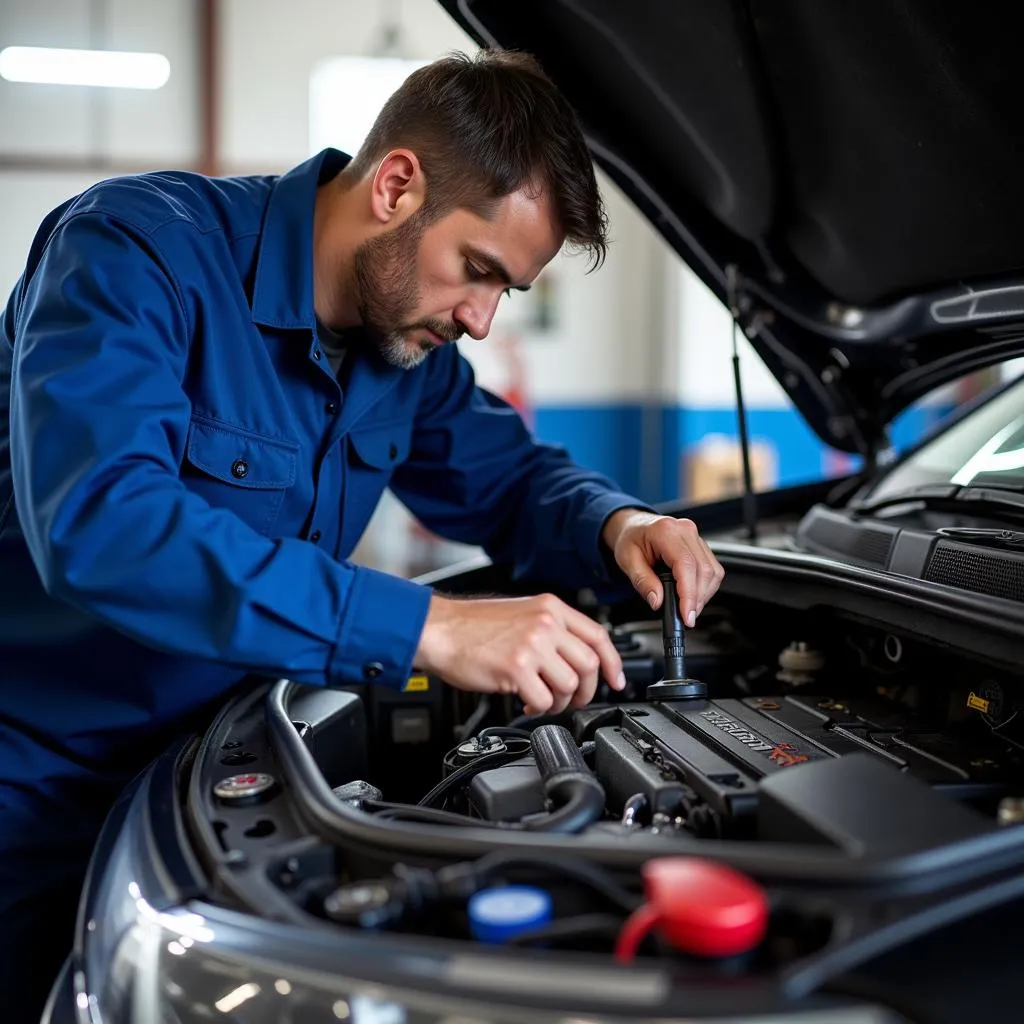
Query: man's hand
(639,539)
(536,647)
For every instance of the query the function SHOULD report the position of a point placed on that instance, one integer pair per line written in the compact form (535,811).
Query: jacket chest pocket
(239,470)
(374,452)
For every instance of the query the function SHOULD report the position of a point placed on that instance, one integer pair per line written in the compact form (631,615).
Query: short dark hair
(486,126)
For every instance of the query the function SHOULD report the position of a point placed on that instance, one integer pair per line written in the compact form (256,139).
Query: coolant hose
(577,797)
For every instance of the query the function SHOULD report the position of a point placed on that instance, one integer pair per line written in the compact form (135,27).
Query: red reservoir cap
(705,908)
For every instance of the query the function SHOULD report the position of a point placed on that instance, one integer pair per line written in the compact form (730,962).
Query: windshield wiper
(994,501)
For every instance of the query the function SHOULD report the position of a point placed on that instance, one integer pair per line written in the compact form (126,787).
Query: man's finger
(559,693)
(585,663)
(559,674)
(596,637)
(684,568)
(535,694)
(644,579)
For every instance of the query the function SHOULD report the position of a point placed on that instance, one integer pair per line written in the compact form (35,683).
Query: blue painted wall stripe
(643,447)
(608,439)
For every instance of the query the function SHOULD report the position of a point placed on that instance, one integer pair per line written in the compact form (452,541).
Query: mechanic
(211,381)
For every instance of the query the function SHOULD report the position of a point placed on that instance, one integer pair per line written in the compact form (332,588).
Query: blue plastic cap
(496,915)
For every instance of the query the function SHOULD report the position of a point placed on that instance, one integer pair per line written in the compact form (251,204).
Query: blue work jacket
(182,480)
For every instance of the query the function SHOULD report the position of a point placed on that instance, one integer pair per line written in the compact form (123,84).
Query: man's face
(419,287)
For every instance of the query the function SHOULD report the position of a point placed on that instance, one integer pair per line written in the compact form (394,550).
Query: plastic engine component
(499,914)
(333,726)
(509,793)
(861,806)
(705,908)
(624,773)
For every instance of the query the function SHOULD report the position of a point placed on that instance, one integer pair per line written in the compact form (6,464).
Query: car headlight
(170,966)
(144,958)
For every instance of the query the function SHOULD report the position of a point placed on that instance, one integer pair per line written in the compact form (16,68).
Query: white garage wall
(270,48)
(25,198)
(88,127)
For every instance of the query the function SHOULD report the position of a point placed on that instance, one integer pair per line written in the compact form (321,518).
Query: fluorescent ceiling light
(113,69)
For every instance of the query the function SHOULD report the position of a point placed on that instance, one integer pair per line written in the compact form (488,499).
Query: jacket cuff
(380,630)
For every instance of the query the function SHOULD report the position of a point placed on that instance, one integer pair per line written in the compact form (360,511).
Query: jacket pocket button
(373,670)
(240,468)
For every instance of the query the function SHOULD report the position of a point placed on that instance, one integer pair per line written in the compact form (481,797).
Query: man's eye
(474,273)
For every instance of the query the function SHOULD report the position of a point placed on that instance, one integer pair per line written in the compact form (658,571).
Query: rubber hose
(569,785)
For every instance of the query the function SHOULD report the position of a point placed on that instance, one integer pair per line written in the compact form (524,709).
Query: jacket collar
(282,294)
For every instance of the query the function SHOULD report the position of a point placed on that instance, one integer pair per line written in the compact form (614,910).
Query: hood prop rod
(749,497)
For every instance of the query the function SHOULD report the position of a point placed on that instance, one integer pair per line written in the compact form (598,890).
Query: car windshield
(985,449)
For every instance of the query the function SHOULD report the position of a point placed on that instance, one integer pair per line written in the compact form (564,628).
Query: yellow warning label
(420,684)
(977,703)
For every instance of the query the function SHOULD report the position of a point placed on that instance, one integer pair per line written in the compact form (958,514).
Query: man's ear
(398,189)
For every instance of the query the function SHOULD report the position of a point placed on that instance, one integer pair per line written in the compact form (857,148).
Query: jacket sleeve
(476,475)
(99,420)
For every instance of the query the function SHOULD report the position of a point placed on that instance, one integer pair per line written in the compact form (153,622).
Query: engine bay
(709,763)
(810,767)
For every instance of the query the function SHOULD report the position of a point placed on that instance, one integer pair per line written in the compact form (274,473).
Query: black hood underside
(846,174)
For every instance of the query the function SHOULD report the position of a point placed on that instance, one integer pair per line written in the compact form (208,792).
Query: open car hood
(846,176)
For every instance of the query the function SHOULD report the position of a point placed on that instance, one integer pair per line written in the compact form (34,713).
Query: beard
(387,294)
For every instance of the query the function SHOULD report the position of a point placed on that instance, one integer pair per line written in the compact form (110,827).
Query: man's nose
(475,315)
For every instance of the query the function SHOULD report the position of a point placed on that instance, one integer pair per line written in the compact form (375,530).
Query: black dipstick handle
(675,686)
(672,628)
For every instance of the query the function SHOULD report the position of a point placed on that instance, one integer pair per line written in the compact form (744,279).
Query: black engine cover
(722,751)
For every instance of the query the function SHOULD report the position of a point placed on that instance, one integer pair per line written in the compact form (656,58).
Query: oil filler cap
(497,915)
(705,908)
